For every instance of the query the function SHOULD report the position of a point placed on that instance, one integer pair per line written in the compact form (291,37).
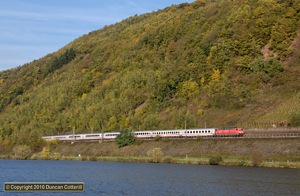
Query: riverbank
(226,161)
(275,152)
(280,152)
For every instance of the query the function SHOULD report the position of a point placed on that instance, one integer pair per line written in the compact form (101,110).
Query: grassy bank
(227,161)
(239,152)
(284,152)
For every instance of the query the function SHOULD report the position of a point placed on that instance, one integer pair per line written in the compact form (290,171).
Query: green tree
(267,71)
(125,138)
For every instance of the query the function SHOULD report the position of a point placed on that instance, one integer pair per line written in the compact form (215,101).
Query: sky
(31,29)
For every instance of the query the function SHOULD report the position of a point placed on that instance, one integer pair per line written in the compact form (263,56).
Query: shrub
(155,155)
(22,151)
(56,156)
(46,153)
(125,138)
(215,160)
(52,144)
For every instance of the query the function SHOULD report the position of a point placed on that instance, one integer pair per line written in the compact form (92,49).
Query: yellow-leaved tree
(189,89)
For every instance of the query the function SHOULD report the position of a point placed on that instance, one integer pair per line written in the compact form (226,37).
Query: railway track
(246,136)
(255,136)
(272,135)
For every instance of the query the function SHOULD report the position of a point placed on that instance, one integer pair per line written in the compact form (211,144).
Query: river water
(110,178)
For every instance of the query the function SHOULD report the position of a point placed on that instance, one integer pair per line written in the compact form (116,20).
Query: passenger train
(180,133)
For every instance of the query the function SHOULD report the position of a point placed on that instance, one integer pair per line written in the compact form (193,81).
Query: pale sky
(31,29)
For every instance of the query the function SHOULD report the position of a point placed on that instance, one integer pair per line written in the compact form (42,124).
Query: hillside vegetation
(209,63)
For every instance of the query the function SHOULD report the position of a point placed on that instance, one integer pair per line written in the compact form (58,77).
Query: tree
(189,89)
(59,62)
(125,138)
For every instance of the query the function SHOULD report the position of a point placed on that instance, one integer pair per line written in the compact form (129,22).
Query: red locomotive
(230,132)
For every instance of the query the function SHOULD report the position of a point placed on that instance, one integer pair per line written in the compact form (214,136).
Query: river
(115,178)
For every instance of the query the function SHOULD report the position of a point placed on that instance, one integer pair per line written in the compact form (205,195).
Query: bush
(52,144)
(56,156)
(125,138)
(22,151)
(155,155)
(45,153)
(215,160)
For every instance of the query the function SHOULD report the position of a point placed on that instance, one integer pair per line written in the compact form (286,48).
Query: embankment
(279,152)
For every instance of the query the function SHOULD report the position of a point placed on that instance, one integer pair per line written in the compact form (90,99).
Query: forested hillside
(209,63)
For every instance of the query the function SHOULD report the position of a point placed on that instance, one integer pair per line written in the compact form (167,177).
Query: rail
(272,135)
